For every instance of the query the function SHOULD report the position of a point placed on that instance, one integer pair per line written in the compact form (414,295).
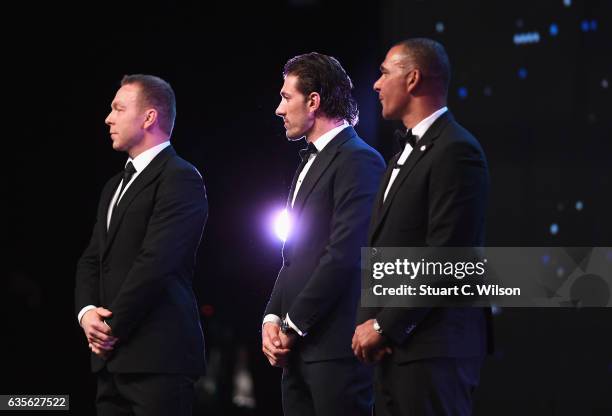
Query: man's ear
(313,101)
(413,79)
(150,118)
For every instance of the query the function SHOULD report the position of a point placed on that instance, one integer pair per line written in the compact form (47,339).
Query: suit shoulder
(456,136)
(358,148)
(176,165)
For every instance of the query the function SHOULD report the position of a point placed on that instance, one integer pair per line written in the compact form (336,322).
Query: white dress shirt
(140,162)
(418,131)
(320,144)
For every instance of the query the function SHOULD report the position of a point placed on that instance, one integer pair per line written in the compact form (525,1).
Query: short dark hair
(157,93)
(430,57)
(324,75)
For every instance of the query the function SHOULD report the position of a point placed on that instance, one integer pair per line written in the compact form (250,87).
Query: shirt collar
(421,128)
(324,139)
(142,160)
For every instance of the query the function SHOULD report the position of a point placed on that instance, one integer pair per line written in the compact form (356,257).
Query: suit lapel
(320,165)
(105,201)
(378,201)
(421,148)
(149,174)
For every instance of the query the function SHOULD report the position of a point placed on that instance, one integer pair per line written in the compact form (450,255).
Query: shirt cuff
(275,319)
(295,328)
(85,309)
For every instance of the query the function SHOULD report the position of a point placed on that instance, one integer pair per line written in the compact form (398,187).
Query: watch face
(377,327)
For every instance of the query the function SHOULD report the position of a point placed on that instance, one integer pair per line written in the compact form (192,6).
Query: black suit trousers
(327,388)
(144,394)
(430,387)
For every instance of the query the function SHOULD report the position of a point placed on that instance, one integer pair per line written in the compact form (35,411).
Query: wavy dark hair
(157,93)
(324,75)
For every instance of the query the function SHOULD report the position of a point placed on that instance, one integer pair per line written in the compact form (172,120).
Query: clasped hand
(276,345)
(98,333)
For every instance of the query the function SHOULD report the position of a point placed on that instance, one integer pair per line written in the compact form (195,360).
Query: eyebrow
(285,94)
(115,104)
(383,68)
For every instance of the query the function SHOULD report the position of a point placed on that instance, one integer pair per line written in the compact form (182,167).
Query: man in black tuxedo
(433,195)
(134,295)
(310,317)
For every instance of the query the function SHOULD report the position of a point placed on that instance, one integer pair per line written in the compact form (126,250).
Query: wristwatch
(286,329)
(377,327)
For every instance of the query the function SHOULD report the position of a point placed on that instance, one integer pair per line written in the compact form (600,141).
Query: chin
(294,136)
(387,115)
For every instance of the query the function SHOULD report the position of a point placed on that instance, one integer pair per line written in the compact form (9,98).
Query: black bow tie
(405,136)
(307,151)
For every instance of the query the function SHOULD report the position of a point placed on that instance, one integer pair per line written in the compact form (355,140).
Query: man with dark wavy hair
(310,317)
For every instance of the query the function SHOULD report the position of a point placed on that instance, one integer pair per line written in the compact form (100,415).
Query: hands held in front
(276,345)
(98,333)
(368,345)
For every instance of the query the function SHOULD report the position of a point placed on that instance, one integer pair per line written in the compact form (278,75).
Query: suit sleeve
(274,303)
(87,282)
(169,246)
(355,185)
(458,187)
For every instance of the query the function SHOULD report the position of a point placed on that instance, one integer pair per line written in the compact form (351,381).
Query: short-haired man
(433,195)
(134,295)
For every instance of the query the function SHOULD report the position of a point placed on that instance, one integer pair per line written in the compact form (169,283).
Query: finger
(102,327)
(274,350)
(357,352)
(268,347)
(271,350)
(276,341)
(100,337)
(364,355)
(271,359)
(104,312)
(105,347)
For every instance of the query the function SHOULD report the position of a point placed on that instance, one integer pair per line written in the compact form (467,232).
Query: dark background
(542,112)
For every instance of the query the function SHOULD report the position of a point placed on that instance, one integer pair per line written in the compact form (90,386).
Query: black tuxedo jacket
(141,269)
(438,199)
(319,282)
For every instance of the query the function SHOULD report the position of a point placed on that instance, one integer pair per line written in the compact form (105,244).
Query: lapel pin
(423,148)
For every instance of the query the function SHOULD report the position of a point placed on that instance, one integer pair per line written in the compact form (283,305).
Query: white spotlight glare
(282,225)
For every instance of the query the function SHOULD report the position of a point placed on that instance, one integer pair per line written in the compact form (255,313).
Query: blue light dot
(439,27)
(522,73)
(463,92)
(567,3)
(604,83)
(593,25)
(496,310)
(554,30)
(584,25)
(560,271)
(554,229)
(579,205)
(546,259)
